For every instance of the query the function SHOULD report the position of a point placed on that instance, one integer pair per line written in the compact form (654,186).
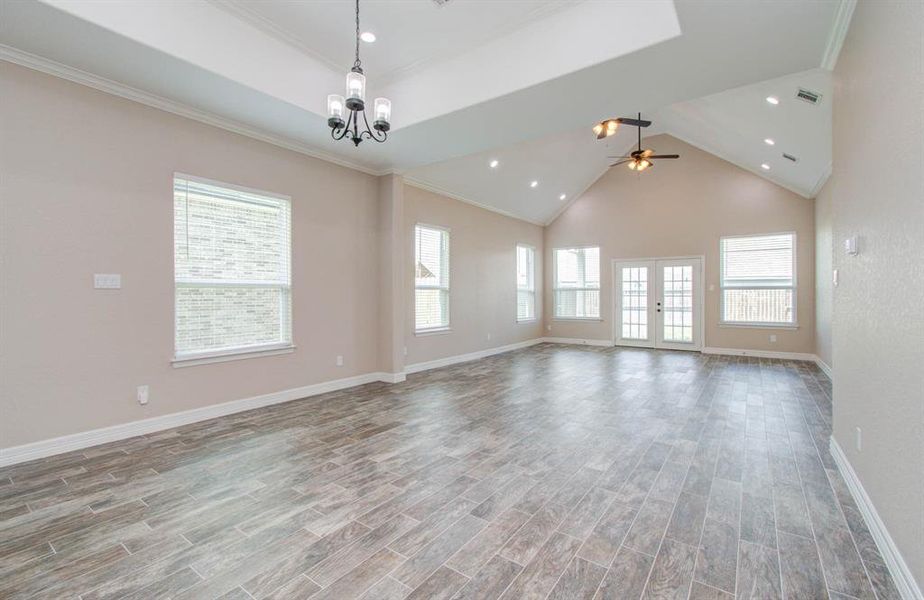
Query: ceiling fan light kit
(355,104)
(638,160)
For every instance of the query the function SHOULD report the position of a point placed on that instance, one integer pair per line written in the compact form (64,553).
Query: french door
(658,303)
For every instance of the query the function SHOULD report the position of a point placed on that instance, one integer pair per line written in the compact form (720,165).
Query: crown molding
(422,185)
(245,13)
(822,180)
(56,69)
(838,33)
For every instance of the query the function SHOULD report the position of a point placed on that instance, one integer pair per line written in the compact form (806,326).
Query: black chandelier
(355,103)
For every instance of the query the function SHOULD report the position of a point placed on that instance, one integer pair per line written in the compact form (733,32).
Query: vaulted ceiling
(470,80)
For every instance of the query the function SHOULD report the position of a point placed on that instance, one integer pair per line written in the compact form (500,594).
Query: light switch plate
(107,281)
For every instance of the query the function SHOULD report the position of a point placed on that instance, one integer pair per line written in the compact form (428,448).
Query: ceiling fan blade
(623,156)
(664,156)
(633,122)
(616,164)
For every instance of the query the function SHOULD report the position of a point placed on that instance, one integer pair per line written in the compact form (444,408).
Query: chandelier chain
(357,64)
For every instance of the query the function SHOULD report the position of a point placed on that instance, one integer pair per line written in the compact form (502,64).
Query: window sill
(577,319)
(437,331)
(789,326)
(533,320)
(206,358)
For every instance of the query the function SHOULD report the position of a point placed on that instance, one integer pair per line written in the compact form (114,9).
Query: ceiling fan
(638,160)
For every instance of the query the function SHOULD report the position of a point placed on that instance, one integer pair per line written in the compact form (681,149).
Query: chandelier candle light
(355,103)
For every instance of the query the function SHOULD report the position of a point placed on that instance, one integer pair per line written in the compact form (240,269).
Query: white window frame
(188,359)
(556,289)
(794,287)
(447,328)
(532,288)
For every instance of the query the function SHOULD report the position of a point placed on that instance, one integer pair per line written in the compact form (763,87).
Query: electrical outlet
(772,338)
(548,328)
(405,350)
(143,393)
(859,440)
(339,361)
(489,337)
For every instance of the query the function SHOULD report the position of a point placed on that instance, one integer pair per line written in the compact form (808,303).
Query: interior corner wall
(482,277)
(824,272)
(86,186)
(878,324)
(682,208)
(392,293)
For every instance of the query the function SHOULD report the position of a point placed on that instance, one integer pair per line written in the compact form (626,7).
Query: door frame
(700,296)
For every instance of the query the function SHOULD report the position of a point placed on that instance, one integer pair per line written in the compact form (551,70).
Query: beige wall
(824,256)
(682,208)
(482,276)
(87,188)
(878,324)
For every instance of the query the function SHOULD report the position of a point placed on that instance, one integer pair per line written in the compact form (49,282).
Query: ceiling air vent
(807,95)
(440,3)
(790,157)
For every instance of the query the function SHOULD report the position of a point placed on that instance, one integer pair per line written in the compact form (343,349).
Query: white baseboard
(897,566)
(761,353)
(578,341)
(460,358)
(825,367)
(78,441)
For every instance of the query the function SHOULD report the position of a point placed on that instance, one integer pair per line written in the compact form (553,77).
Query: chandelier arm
(343,131)
(371,132)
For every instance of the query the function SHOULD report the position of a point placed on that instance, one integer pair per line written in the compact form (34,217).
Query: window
(577,283)
(526,283)
(431,278)
(232,254)
(758,279)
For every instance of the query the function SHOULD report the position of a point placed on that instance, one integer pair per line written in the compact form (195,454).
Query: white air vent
(440,3)
(808,96)
(790,157)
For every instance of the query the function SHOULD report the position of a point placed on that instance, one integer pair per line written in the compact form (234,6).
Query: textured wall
(824,256)
(482,280)
(87,187)
(682,208)
(878,325)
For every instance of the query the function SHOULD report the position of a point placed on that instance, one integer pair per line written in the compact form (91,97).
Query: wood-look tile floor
(551,472)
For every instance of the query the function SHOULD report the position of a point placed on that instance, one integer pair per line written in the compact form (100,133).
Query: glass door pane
(635,303)
(678,303)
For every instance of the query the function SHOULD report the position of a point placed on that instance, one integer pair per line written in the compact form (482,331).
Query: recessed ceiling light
(765,167)
(769,141)
(367,36)
(773,100)
(533,184)
(562,197)
(493,164)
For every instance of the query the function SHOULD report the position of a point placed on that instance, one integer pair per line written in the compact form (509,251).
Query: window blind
(526,283)
(577,283)
(431,278)
(758,279)
(232,251)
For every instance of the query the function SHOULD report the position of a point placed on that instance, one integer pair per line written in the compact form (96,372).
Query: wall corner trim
(838,33)
(825,367)
(85,439)
(460,358)
(896,564)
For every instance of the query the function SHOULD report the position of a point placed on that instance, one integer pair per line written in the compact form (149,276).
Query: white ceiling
(410,33)
(468,80)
